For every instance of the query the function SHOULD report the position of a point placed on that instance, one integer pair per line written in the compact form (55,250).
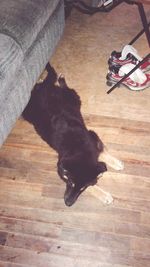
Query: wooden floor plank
(30,227)
(30,257)
(72,254)
(51,214)
(11,264)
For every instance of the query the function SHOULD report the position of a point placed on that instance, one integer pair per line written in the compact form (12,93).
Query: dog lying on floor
(54,110)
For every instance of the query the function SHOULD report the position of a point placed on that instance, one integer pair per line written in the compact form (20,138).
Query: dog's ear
(96,140)
(101,167)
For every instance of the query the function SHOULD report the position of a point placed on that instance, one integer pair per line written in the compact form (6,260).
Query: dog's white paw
(119,166)
(111,161)
(115,163)
(107,199)
(61,76)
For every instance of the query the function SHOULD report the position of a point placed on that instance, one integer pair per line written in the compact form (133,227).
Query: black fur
(54,110)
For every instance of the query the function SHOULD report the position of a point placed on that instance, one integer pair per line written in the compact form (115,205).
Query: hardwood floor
(36,228)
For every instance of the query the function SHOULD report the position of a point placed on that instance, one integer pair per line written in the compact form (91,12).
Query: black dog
(54,110)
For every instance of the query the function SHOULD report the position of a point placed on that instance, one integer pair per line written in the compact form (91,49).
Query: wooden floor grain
(36,228)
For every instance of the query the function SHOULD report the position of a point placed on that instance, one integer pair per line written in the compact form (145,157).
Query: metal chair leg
(144,22)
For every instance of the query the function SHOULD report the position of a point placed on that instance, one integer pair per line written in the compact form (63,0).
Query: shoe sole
(112,82)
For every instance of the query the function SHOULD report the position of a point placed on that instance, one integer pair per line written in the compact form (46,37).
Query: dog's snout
(68,202)
(72,193)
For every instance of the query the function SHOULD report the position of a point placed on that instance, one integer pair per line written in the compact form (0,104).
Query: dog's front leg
(103,196)
(110,160)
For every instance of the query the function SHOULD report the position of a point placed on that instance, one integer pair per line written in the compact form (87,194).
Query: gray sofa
(29,33)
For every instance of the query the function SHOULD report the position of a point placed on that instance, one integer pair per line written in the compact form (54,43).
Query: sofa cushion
(43,47)
(14,102)
(11,57)
(25,19)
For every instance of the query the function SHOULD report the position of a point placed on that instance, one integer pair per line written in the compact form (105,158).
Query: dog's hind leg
(111,161)
(103,196)
(62,81)
(52,75)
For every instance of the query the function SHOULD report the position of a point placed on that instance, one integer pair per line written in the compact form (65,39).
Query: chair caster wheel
(109,83)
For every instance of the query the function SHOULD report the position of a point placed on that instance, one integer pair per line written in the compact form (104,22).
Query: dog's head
(78,175)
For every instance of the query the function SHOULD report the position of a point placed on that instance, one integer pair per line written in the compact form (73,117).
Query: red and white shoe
(136,81)
(128,55)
